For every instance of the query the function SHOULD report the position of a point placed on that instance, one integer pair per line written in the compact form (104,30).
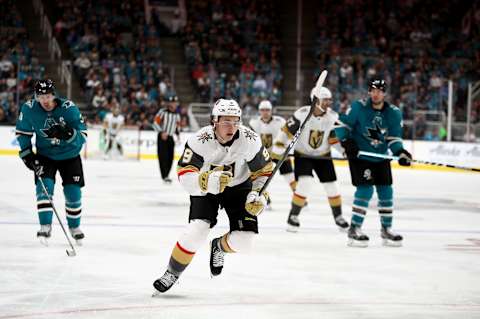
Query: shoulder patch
(204,137)
(249,134)
(29,103)
(67,104)
(363,102)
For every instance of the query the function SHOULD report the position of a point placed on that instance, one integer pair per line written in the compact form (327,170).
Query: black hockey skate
(293,223)
(356,238)
(77,234)
(164,283)
(216,257)
(44,233)
(390,238)
(341,223)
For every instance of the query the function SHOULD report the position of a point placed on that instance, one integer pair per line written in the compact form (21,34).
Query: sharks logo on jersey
(376,134)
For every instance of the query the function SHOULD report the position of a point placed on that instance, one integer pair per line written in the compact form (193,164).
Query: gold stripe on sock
(335,201)
(181,255)
(224,243)
(298,200)
(293,185)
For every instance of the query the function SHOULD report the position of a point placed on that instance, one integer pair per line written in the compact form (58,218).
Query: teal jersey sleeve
(395,131)
(24,129)
(74,119)
(348,121)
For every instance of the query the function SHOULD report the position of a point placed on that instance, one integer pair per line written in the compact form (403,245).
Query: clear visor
(234,123)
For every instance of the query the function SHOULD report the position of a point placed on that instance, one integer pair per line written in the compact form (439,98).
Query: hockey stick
(319,84)
(395,158)
(72,252)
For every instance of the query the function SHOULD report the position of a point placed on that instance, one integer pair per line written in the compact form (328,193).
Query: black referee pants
(165,151)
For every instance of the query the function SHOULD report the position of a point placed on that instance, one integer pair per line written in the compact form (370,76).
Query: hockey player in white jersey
(311,153)
(112,125)
(223,165)
(269,126)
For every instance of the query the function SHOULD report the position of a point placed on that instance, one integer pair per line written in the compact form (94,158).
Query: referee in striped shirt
(166,123)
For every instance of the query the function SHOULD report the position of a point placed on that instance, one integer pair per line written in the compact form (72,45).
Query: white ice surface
(131,221)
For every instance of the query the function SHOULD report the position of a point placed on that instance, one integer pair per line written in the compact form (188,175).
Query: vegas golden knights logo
(226,168)
(315,139)
(267,140)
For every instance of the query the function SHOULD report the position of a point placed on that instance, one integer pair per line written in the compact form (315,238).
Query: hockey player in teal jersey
(372,125)
(60,132)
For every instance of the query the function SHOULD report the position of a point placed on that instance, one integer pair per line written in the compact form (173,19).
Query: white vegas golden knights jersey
(113,122)
(268,131)
(317,136)
(244,156)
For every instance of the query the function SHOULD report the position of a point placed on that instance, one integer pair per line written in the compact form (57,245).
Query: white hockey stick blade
(321,79)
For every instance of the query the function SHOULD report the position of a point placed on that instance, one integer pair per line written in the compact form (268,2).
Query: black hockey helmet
(44,87)
(377,84)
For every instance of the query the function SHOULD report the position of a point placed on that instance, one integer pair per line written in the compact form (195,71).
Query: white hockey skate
(390,238)
(77,234)
(44,233)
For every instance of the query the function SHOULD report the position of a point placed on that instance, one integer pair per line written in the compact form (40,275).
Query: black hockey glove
(60,130)
(351,148)
(32,162)
(404,157)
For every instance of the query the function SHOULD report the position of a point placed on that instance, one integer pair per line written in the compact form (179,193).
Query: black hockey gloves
(404,157)
(33,163)
(351,148)
(60,130)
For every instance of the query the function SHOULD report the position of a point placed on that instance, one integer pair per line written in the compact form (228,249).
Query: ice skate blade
(43,241)
(342,230)
(292,229)
(156,293)
(391,243)
(79,242)
(357,243)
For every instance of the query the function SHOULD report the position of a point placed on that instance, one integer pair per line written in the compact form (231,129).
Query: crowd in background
(232,50)
(19,66)
(416,46)
(117,57)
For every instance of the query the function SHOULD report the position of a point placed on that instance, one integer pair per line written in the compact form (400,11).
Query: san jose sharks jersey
(373,130)
(34,120)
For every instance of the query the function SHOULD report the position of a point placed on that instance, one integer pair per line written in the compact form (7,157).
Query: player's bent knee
(195,234)
(331,189)
(364,192)
(304,185)
(49,185)
(241,241)
(384,191)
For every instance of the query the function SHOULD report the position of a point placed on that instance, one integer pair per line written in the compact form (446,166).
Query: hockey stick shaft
(320,81)
(395,158)
(69,253)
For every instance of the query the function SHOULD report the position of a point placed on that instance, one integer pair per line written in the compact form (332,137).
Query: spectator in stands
(3,116)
